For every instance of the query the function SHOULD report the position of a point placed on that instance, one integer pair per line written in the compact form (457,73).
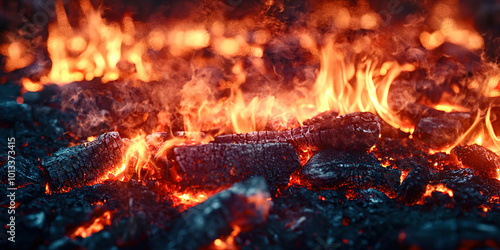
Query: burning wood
(85,163)
(243,207)
(355,131)
(217,165)
(485,162)
(349,170)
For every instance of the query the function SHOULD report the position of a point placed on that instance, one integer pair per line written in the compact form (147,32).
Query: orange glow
(28,85)
(20,100)
(430,188)
(47,190)
(91,138)
(227,242)
(450,108)
(17,55)
(432,40)
(187,199)
(404,173)
(95,226)
(353,76)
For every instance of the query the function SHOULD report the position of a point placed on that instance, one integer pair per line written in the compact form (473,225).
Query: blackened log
(244,206)
(85,163)
(347,170)
(484,161)
(221,164)
(355,131)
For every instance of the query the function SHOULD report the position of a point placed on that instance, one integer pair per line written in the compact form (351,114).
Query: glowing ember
(96,225)
(187,199)
(227,242)
(437,188)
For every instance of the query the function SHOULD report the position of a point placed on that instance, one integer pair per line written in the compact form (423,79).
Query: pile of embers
(335,182)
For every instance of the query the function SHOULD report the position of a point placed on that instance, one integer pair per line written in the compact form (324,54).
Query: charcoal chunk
(349,169)
(414,185)
(484,161)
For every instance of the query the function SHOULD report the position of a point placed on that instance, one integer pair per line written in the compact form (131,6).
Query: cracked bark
(355,131)
(85,163)
(220,164)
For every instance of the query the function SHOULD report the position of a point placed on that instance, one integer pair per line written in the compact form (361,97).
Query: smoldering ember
(262,124)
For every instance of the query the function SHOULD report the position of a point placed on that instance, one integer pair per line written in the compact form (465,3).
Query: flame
(332,90)
(185,200)
(353,76)
(137,155)
(430,188)
(47,190)
(97,225)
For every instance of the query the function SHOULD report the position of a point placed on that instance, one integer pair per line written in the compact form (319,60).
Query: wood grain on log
(355,131)
(85,163)
(219,165)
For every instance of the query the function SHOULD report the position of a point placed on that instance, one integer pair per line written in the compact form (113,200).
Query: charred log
(484,161)
(355,131)
(244,206)
(85,163)
(347,170)
(219,164)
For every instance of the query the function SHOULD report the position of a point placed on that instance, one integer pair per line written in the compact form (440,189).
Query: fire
(430,188)
(353,76)
(137,154)
(95,226)
(185,200)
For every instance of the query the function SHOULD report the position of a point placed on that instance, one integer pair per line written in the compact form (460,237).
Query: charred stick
(355,131)
(242,207)
(349,169)
(217,164)
(85,163)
